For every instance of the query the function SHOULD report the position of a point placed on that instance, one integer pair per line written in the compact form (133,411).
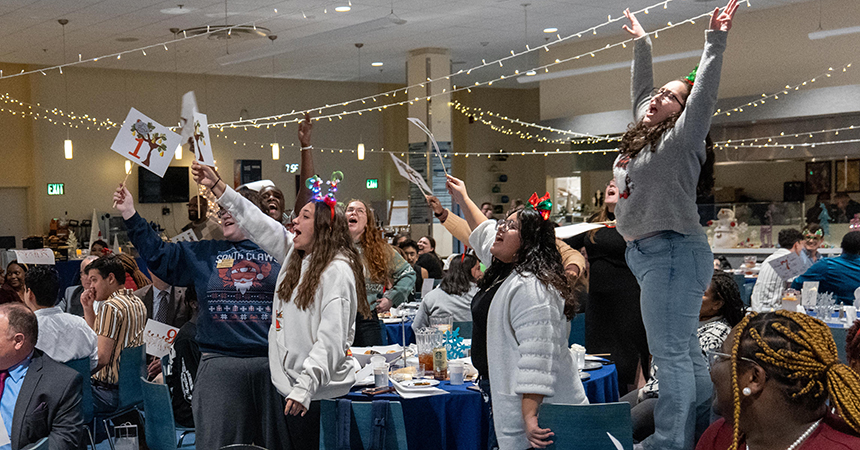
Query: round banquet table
(395,334)
(459,420)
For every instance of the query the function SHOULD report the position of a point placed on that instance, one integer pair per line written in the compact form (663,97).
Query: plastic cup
(417,369)
(380,375)
(455,372)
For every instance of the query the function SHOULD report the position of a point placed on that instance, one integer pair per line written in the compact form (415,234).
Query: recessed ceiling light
(376,64)
(342,8)
(550,30)
(531,73)
(177,10)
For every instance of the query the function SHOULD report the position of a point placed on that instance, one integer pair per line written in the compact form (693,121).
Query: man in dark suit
(71,302)
(42,395)
(164,303)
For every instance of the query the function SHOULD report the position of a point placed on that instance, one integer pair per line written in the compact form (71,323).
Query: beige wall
(767,48)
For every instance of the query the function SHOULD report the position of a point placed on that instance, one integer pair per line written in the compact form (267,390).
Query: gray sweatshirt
(658,189)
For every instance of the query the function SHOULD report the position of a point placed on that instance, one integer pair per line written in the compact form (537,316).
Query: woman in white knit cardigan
(527,321)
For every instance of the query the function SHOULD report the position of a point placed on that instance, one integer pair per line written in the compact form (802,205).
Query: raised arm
(457,189)
(265,231)
(456,225)
(642,80)
(306,170)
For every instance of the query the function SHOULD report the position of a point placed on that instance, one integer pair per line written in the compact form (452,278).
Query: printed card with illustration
(410,174)
(788,266)
(146,142)
(201,146)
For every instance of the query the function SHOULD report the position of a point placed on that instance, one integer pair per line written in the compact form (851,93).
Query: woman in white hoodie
(315,305)
(521,319)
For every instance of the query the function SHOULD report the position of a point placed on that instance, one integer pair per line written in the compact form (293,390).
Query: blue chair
(82,366)
(42,444)
(160,425)
(361,426)
(465,329)
(587,427)
(744,288)
(839,335)
(577,330)
(132,367)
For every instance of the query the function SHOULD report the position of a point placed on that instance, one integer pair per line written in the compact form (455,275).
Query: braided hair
(852,342)
(797,352)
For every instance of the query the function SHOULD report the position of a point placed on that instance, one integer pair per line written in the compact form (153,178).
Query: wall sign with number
(56,189)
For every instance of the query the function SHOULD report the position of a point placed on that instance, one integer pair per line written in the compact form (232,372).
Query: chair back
(241,447)
(41,444)
(465,329)
(839,335)
(159,425)
(82,365)
(744,288)
(588,427)
(132,367)
(361,426)
(577,330)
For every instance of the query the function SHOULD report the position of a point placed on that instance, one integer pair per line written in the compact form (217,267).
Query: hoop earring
(747,391)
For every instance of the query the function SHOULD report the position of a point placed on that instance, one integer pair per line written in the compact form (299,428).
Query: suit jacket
(71,302)
(178,311)
(49,404)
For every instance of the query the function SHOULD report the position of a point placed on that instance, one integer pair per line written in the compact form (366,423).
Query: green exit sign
(372,183)
(56,189)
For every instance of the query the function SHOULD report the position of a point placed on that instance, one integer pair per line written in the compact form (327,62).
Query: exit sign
(372,183)
(56,189)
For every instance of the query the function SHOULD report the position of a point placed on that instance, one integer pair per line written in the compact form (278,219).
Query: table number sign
(158,338)
(38,256)
(788,266)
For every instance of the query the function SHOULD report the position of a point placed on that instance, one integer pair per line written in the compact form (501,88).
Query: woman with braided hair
(852,346)
(773,380)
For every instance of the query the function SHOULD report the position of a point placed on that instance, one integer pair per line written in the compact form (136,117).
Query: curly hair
(331,238)
(726,290)
(537,256)
(377,252)
(798,353)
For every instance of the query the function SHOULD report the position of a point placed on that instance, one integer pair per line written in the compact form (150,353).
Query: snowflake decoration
(454,345)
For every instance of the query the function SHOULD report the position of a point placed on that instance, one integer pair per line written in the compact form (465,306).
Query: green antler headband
(691,78)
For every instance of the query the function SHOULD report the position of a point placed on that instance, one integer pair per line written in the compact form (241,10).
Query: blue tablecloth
(602,387)
(395,334)
(460,421)
(454,421)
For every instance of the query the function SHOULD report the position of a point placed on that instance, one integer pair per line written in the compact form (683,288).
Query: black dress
(613,317)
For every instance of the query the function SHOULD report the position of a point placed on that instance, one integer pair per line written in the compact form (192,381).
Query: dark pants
(235,402)
(492,443)
(305,431)
(368,332)
(105,399)
(641,414)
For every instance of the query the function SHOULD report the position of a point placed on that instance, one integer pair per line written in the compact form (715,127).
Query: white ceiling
(318,47)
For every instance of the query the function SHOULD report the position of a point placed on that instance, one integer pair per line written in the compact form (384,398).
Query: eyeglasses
(222,212)
(715,357)
(356,210)
(665,93)
(505,225)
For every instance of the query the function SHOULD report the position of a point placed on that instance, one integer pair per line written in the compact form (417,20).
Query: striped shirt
(767,292)
(122,317)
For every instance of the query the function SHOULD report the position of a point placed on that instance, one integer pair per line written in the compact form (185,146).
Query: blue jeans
(673,271)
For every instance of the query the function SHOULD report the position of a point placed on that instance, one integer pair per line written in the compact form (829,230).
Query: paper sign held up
(577,228)
(158,338)
(410,174)
(186,236)
(145,142)
(189,108)
(38,256)
(201,146)
(788,266)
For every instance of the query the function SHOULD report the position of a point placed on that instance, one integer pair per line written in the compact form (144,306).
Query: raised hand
(305,128)
(124,202)
(457,189)
(635,28)
(435,204)
(204,174)
(723,21)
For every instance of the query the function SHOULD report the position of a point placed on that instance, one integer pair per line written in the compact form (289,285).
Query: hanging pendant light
(360,150)
(67,147)
(276,151)
(67,144)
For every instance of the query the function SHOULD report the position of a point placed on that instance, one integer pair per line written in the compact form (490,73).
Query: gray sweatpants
(235,402)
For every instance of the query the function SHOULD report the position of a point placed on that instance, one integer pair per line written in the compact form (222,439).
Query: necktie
(3,375)
(161,314)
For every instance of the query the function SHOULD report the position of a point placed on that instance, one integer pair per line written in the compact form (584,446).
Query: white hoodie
(307,348)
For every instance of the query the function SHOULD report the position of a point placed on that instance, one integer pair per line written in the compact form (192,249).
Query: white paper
(417,122)
(186,236)
(410,174)
(427,286)
(4,435)
(189,107)
(788,266)
(158,338)
(145,142)
(575,229)
(399,213)
(39,256)
(809,294)
(201,146)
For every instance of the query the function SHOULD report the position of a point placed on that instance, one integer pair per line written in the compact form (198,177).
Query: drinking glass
(427,339)
(443,321)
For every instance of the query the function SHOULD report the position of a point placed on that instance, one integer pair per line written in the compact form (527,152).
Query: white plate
(393,320)
(592,365)
(365,382)
(584,376)
(420,383)
(359,353)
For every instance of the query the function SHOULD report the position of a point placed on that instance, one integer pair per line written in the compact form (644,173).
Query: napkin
(408,392)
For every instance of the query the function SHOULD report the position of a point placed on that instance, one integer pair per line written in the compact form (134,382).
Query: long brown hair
(377,252)
(331,238)
(639,135)
(601,215)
